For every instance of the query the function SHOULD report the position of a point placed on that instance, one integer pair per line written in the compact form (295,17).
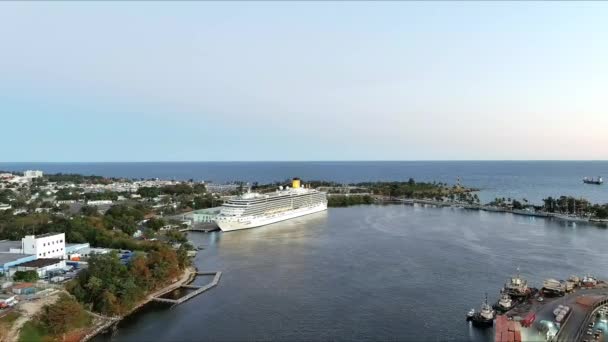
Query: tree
(26,276)
(155,223)
(89,210)
(63,315)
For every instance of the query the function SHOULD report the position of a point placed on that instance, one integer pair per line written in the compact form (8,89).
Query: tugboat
(483,318)
(588,281)
(592,180)
(517,286)
(505,303)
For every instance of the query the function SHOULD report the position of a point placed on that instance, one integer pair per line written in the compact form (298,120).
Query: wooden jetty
(199,289)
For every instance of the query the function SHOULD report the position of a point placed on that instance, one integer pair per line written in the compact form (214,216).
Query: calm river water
(367,273)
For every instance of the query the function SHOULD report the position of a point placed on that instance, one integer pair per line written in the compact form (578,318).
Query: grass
(10,318)
(32,332)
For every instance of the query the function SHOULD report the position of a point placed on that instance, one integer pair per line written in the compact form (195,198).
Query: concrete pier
(199,289)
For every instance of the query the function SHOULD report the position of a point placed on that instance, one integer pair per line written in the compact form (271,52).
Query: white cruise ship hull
(231,224)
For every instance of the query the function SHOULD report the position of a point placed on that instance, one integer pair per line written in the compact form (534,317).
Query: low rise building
(99,202)
(24,289)
(6,175)
(205,215)
(87,252)
(32,174)
(10,261)
(42,266)
(51,245)
(221,188)
(14,254)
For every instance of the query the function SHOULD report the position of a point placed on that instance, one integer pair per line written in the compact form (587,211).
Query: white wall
(45,247)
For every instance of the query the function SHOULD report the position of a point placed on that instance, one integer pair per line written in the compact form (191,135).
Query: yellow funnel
(295,183)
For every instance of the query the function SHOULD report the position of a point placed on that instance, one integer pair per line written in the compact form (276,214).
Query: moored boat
(483,318)
(505,303)
(517,286)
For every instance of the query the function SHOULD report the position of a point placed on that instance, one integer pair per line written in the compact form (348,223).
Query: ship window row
(265,209)
(272,199)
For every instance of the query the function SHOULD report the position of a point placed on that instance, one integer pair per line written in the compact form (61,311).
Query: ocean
(532,180)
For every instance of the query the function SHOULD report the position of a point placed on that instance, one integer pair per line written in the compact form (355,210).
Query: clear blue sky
(137,81)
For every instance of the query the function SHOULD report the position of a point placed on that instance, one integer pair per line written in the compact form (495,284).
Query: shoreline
(483,207)
(187,277)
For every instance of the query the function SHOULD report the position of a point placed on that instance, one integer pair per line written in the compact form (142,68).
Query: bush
(345,201)
(26,276)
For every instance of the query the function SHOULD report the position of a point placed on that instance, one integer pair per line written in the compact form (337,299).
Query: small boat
(505,303)
(588,281)
(517,286)
(470,314)
(596,181)
(485,317)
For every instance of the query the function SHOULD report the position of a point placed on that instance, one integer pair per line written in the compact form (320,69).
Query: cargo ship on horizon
(596,181)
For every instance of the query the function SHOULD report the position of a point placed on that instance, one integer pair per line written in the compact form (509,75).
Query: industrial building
(42,266)
(10,261)
(205,215)
(34,252)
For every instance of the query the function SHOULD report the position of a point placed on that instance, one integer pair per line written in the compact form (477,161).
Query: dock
(203,229)
(199,289)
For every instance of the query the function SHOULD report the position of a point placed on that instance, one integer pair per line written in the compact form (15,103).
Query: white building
(45,246)
(99,202)
(32,173)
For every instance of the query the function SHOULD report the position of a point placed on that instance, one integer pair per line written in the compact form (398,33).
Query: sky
(211,81)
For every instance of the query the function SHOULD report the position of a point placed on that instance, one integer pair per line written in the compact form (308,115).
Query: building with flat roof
(42,266)
(51,245)
(205,215)
(9,262)
(32,173)
(7,246)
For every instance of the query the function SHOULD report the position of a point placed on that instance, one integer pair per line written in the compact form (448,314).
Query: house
(24,289)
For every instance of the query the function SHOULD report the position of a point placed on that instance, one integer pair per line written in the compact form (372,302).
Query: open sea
(533,180)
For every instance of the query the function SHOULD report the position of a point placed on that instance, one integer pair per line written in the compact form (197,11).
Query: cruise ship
(252,210)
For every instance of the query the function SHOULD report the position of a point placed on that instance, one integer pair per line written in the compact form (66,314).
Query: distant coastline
(533,180)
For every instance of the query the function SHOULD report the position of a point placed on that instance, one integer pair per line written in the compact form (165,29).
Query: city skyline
(298,81)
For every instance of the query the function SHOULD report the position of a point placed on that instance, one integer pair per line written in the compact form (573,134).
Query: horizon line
(306,161)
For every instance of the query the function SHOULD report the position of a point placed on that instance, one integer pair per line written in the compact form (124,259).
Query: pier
(199,289)
(203,229)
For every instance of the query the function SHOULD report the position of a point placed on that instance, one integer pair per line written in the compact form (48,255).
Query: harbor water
(367,273)
(533,180)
